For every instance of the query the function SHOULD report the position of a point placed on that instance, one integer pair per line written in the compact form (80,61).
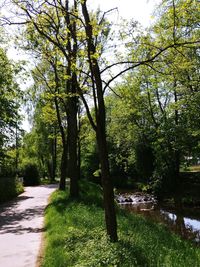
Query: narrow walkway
(21,227)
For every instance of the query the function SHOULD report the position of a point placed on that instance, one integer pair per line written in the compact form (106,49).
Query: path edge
(42,246)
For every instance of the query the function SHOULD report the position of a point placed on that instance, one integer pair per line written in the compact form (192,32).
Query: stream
(185,222)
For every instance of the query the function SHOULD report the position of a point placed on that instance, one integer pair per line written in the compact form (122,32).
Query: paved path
(21,227)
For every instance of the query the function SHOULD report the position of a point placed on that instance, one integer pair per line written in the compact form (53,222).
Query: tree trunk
(64,158)
(72,102)
(79,145)
(177,150)
(73,146)
(53,159)
(108,194)
(63,169)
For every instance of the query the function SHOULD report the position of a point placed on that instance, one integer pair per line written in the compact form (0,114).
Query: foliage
(39,145)
(75,237)
(129,133)
(121,140)
(89,153)
(153,115)
(9,109)
(144,160)
(9,188)
(31,175)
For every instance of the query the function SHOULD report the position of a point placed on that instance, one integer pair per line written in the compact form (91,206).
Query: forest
(114,107)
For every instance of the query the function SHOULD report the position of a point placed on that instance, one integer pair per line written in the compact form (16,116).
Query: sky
(140,10)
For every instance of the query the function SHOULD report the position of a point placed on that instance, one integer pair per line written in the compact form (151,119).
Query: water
(185,222)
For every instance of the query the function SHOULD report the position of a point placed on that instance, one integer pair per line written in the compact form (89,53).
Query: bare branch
(144,62)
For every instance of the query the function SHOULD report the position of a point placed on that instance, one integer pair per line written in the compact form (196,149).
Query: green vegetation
(9,188)
(112,102)
(31,175)
(75,236)
(194,168)
(9,128)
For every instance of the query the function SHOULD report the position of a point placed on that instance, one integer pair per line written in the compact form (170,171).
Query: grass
(194,168)
(75,236)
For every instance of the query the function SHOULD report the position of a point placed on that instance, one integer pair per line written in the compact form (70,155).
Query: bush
(31,175)
(9,188)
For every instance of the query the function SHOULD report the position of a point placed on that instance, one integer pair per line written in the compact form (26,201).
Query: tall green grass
(75,236)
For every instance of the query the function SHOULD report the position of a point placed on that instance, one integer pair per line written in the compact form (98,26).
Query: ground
(21,227)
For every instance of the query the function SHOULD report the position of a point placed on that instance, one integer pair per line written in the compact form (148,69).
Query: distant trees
(155,102)
(39,147)
(9,115)
(10,132)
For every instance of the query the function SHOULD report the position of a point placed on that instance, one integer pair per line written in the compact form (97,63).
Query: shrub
(31,175)
(9,188)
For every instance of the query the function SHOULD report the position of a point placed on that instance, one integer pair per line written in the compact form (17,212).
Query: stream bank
(184,221)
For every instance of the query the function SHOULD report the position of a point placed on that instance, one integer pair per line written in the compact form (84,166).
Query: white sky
(139,10)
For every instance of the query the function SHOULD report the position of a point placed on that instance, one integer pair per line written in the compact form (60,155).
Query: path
(21,227)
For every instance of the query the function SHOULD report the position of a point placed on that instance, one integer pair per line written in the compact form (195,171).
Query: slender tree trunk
(52,163)
(63,168)
(73,142)
(72,102)
(110,214)
(17,150)
(177,152)
(64,158)
(178,186)
(79,145)
(54,159)
(108,194)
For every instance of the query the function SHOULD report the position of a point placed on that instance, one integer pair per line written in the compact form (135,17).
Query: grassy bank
(75,236)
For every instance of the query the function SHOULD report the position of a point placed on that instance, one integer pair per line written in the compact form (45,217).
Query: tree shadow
(16,220)
(13,203)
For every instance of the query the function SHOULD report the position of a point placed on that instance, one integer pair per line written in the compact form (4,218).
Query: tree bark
(64,158)
(63,168)
(178,186)
(72,103)
(73,147)
(108,194)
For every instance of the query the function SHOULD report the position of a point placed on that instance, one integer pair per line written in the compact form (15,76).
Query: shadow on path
(21,215)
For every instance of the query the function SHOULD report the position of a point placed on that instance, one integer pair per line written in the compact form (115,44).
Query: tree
(158,105)
(48,76)
(9,109)
(54,23)
(100,128)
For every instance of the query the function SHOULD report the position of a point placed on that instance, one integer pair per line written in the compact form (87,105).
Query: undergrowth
(9,189)
(75,236)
